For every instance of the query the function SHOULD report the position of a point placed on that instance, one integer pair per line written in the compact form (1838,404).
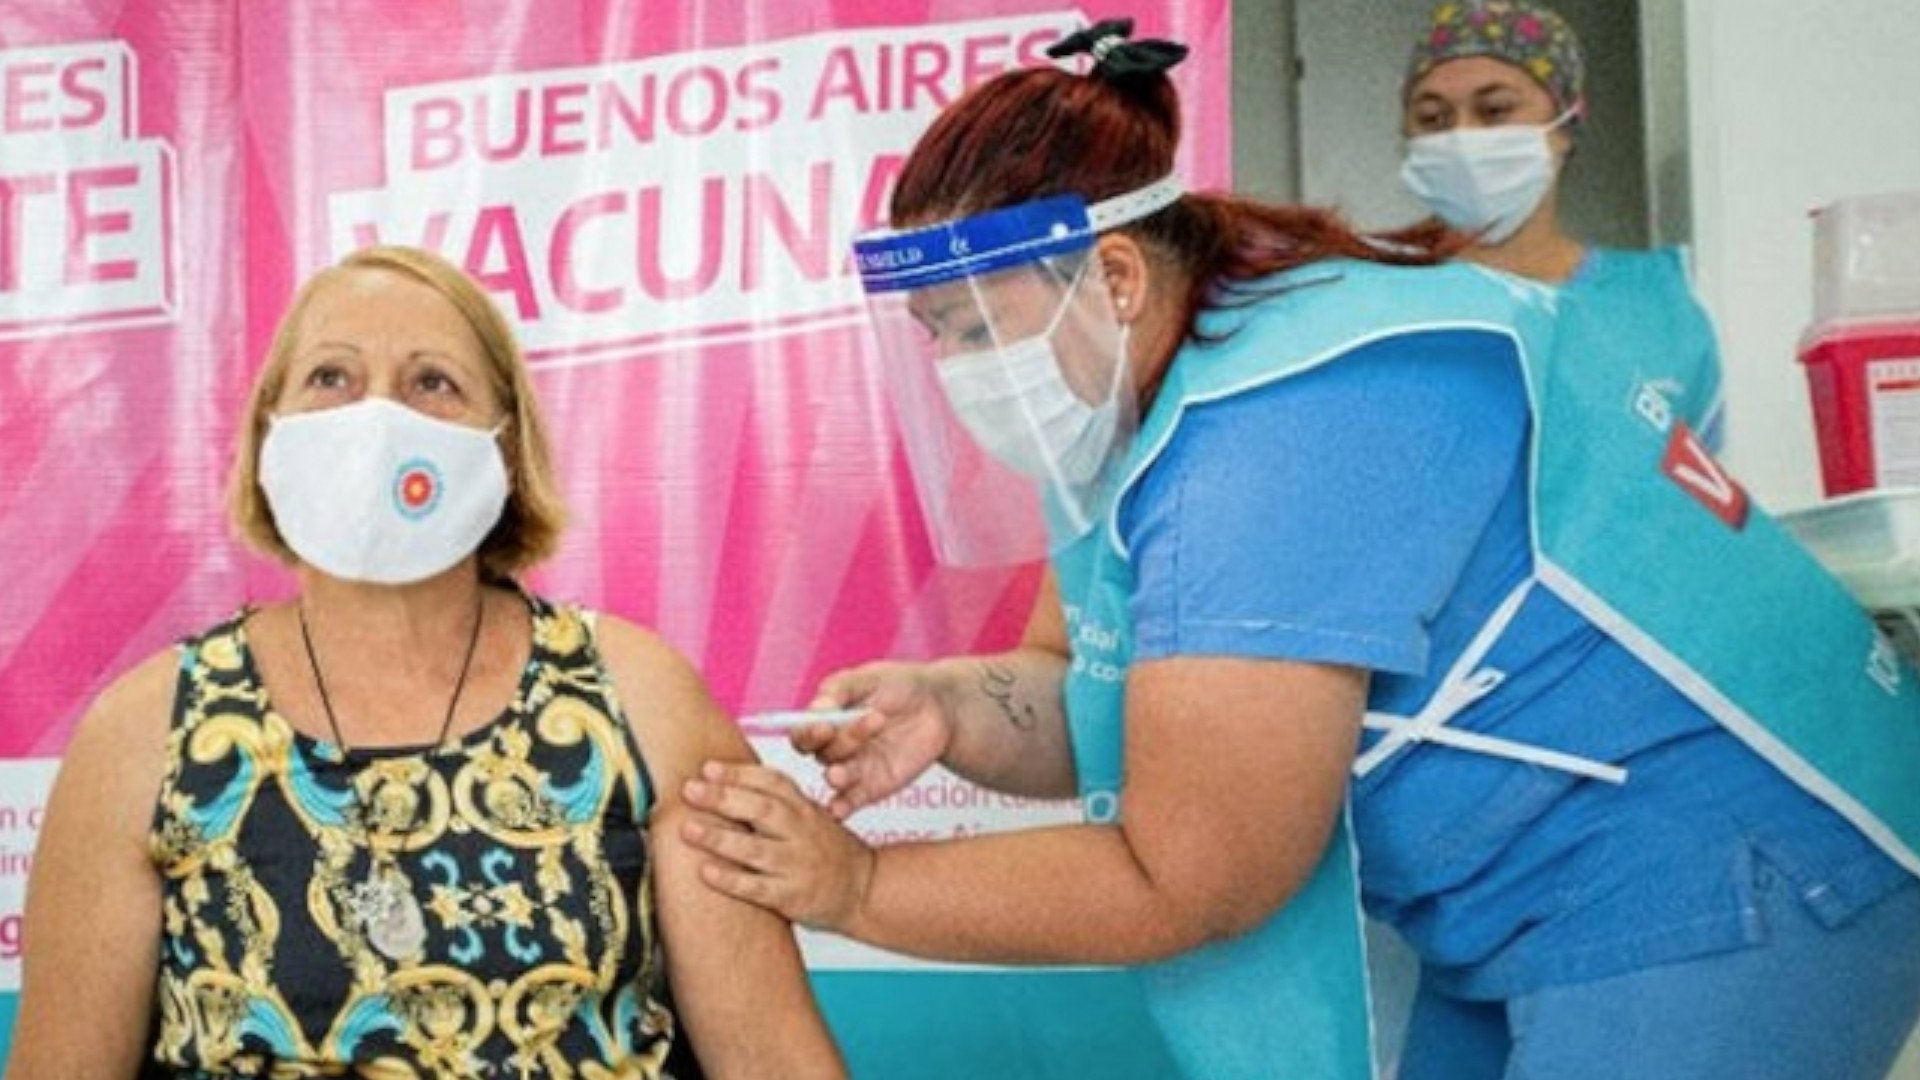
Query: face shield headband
(1006,363)
(893,261)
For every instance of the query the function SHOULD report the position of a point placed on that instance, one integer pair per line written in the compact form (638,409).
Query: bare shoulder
(114,762)
(634,653)
(135,711)
(673,716)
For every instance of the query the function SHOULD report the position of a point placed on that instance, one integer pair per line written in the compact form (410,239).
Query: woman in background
(1493,101)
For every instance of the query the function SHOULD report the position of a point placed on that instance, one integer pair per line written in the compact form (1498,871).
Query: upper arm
(1236,773)
(738,982)
(675,721)
(93,902)
(737,979)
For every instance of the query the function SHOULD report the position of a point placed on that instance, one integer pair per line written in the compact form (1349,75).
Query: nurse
(1493,102)
(1340,608)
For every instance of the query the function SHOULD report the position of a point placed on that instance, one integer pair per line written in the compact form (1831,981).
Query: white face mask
(1017,404)
(375,491)
(1486,181)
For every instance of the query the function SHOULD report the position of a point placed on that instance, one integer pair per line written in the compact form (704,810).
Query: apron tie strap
(1465,683)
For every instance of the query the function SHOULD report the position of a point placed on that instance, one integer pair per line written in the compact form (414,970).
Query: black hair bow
(1114,55)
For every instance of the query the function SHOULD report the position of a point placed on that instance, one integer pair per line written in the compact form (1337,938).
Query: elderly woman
(415,821)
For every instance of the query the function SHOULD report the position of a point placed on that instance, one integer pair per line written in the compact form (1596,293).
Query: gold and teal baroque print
(521,845)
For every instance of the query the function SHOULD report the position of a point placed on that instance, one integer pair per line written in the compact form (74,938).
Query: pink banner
(663,204)
(122,323)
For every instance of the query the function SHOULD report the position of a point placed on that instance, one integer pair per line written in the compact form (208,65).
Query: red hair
(1043,131)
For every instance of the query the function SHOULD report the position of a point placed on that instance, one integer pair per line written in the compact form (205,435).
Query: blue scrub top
(1373,512)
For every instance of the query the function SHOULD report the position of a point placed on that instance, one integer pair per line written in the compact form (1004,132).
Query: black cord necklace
(384,905)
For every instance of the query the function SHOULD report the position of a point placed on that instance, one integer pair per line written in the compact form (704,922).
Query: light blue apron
(1632,525)
(1635,312)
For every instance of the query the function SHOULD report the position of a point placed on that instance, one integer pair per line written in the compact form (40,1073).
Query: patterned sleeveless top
(517,853)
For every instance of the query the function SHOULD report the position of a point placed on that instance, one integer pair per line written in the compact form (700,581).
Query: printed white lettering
(86,209)
(656,253)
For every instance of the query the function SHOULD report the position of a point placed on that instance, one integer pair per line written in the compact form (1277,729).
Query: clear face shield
(1009,371)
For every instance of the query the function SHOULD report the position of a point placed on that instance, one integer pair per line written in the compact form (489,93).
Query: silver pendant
(389,915)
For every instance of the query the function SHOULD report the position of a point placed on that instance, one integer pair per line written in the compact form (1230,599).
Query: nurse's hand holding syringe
(875,727)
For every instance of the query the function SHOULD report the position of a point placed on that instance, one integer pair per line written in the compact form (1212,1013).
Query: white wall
(1790,105)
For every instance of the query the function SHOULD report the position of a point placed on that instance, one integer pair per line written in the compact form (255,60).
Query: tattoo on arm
(997,682)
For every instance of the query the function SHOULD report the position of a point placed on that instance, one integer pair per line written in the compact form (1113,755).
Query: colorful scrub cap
(1528,36)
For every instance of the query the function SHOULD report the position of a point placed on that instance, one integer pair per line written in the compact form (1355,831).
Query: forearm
(1228,809)
(1009,724)
(1075,894)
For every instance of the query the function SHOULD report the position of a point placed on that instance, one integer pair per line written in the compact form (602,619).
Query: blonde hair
(530,525)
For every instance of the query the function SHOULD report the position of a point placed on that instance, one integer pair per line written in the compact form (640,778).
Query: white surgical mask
(1017,404)
(375,491)
(1483,180)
